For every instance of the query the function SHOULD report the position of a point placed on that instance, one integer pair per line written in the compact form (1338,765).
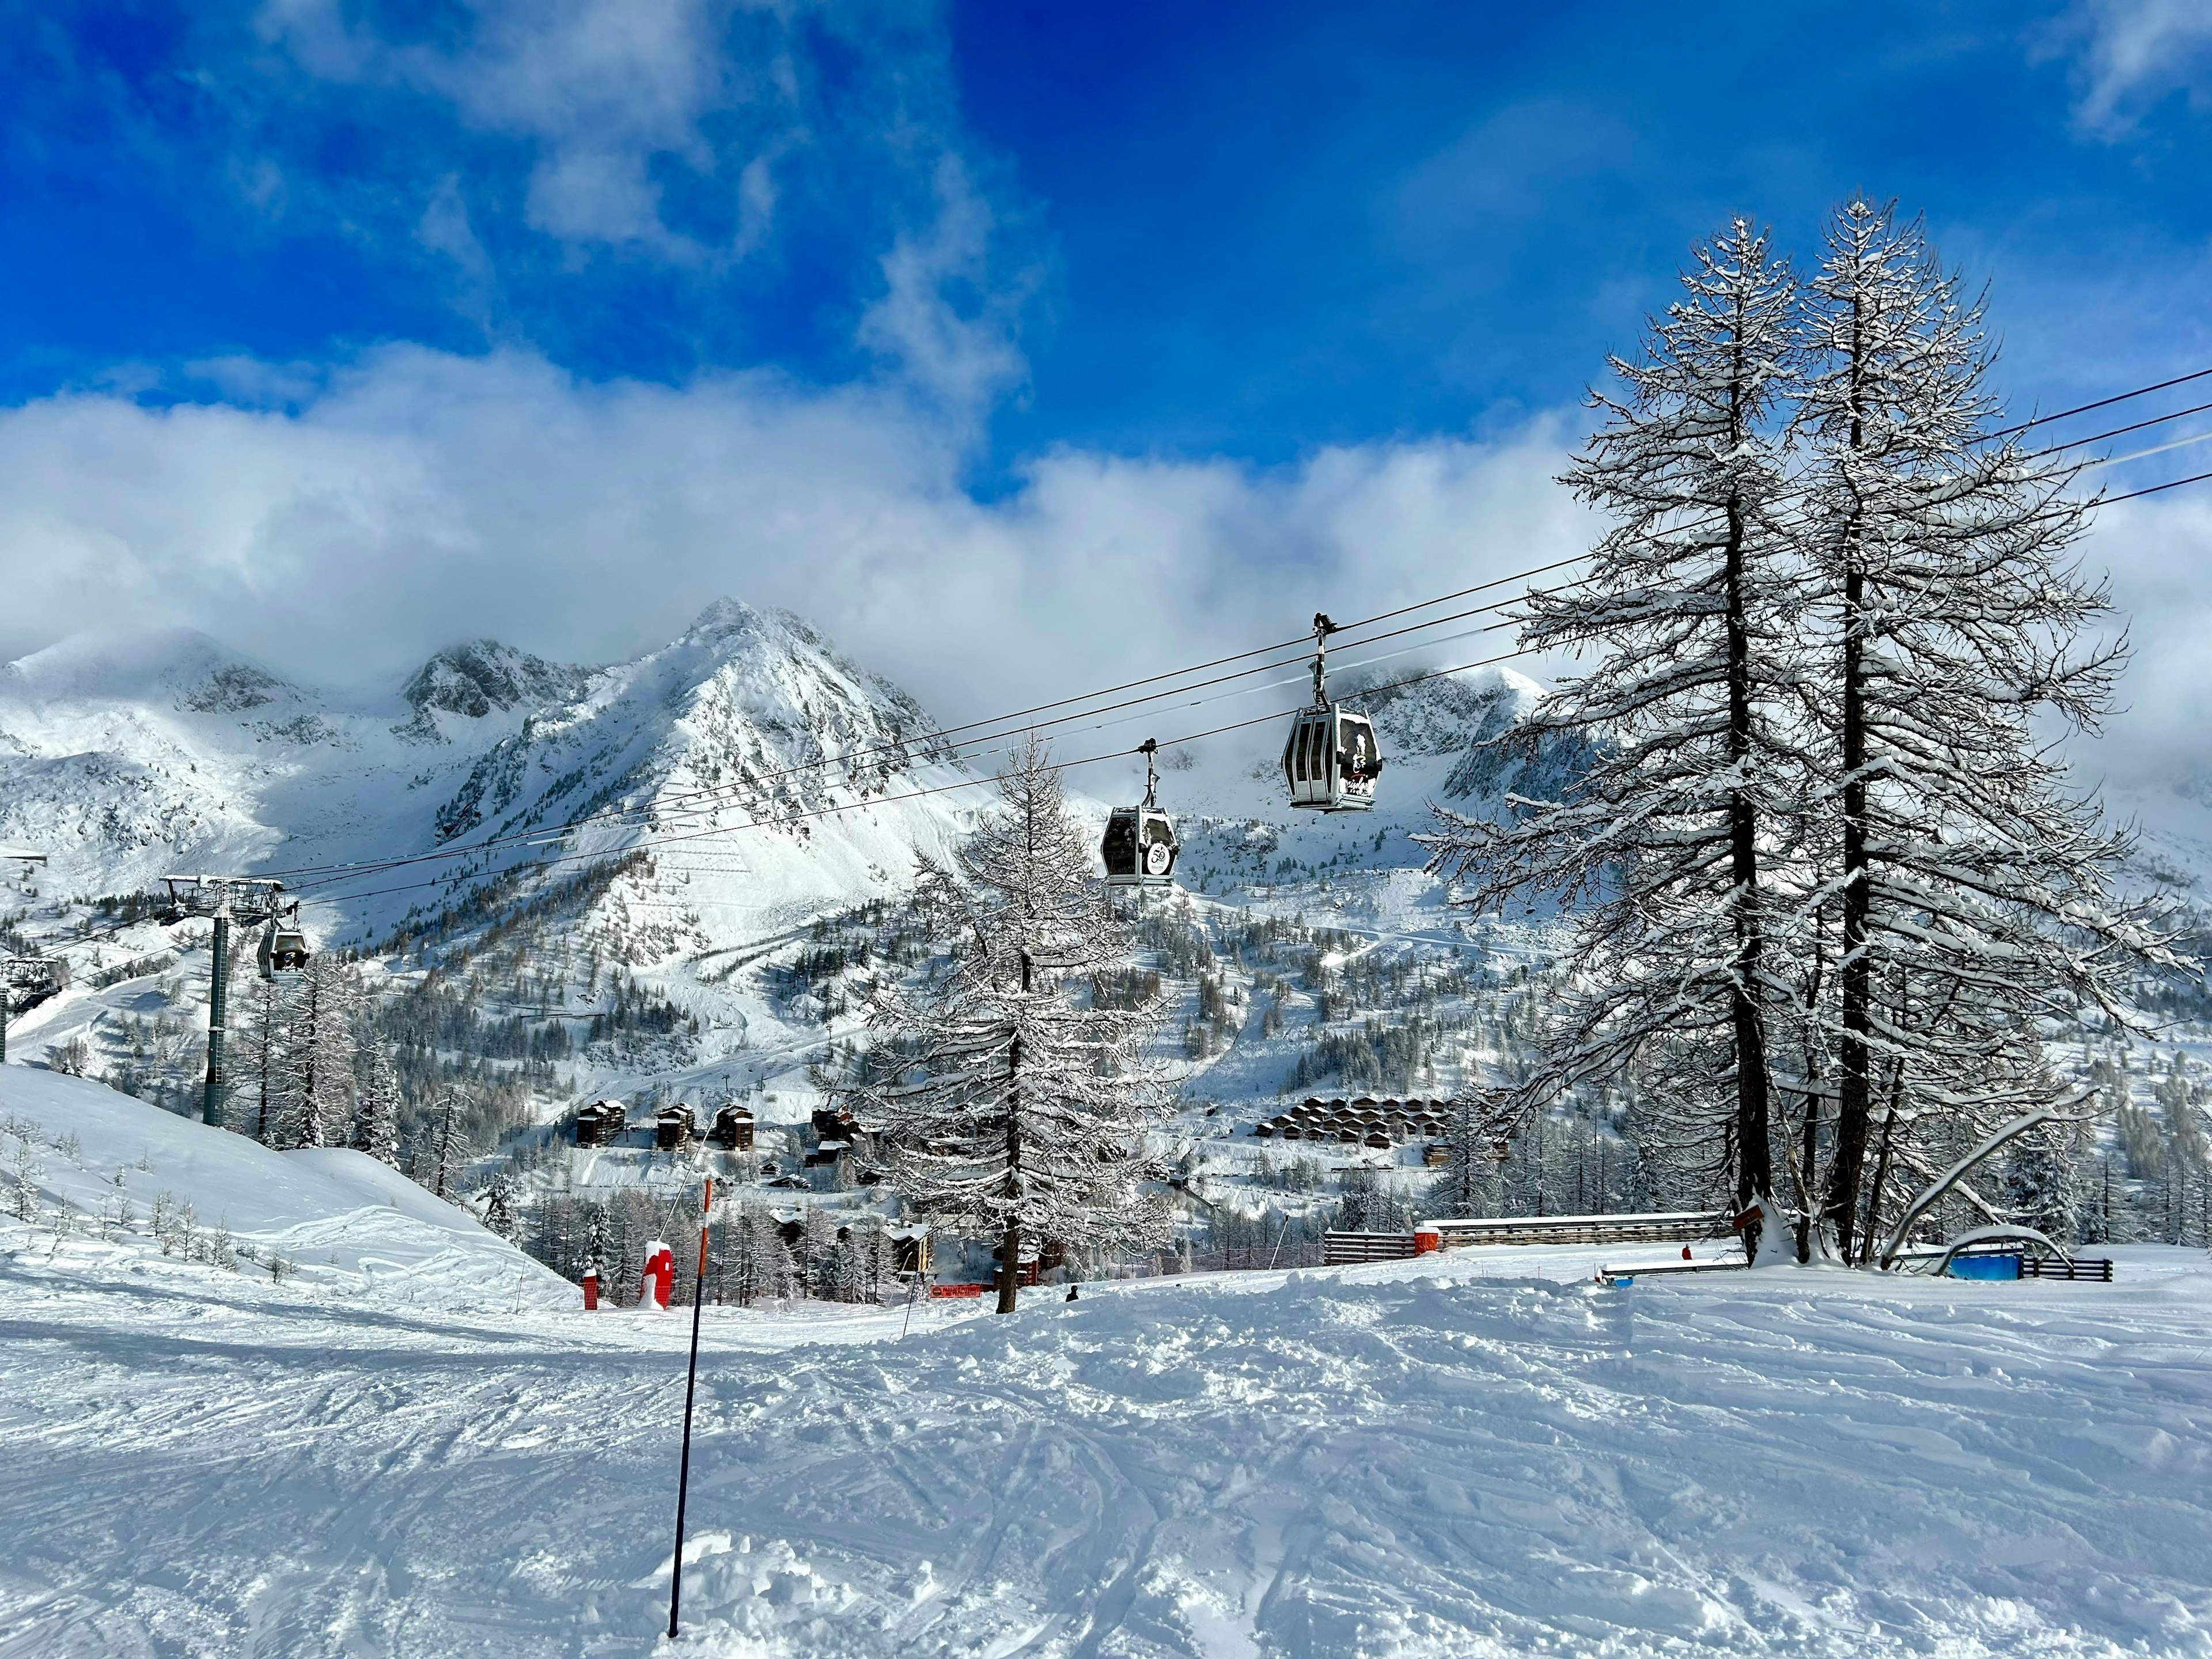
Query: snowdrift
(114,1170)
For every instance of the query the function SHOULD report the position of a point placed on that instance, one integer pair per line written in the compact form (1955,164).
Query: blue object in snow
(1985,1267)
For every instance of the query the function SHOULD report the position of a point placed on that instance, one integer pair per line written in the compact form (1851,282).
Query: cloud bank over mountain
(419,498)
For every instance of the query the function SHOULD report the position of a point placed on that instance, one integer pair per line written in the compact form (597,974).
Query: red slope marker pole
(690,1385)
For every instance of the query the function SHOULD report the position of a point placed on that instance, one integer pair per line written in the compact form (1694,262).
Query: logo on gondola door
(1156,859)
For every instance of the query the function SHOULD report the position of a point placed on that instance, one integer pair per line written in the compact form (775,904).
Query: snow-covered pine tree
(375,1129)
(765,1260)
(1467,1186)
(817,1252)
(1675,833)
(1972,897)
(257,1098)
(848,1279)
(499,1206)
(1009,1112)
(443,1151)
(2044,1183)
(316,1101)
(1368,1202)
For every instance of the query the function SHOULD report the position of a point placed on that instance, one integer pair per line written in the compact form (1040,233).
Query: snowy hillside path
(1452,1461)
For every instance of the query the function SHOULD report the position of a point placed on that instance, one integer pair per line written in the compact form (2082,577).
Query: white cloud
(2158,551)
(964,357)
(599,86)
(608,101)
(422,498)
(2135,51)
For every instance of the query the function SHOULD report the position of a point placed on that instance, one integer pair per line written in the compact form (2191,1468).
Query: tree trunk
(1010,1266)
(1854,1088)
(1010,1241)
(1882,1153)
(1754,1167)
(304,1129)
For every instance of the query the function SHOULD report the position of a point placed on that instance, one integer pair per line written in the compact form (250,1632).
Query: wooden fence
(1344,1249)
(2097,1269)
(1668,1227)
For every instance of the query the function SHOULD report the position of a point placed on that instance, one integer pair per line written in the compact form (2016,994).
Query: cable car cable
(732,789)
(969,783)
(533,865)
(934,739)
(674,809)
(679,802)
(2101,402)
(916,794)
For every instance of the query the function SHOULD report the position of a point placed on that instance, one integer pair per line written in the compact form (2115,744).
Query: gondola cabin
(284,954)
(1139,849)
(1141,846)
(1331,760)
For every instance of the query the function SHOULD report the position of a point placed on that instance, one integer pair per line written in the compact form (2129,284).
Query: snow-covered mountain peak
(771,669)
(174,667)
(724,618)
(474,678)
(1440,716)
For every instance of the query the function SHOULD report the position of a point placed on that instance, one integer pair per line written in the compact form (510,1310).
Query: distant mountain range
(557,841)
(725,753)
(129,757)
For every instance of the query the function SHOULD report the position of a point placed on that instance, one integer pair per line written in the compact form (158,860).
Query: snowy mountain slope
(2173,822)
(703,779)
(129,757)
(145,1190)
(1471,1455)
(749,718)
(664,897)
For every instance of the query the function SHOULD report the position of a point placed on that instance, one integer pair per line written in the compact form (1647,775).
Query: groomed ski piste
(406,1438)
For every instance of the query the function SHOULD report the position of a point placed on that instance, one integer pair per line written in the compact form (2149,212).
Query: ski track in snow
(1382,1461)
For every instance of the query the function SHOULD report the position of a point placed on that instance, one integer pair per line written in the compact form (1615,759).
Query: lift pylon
(250,900)
(41,976)
(25,973)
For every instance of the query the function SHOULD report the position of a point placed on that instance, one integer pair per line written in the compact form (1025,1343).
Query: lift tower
(249,901)
(37,974)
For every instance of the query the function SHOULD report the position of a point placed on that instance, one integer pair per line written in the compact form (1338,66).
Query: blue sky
(969,304)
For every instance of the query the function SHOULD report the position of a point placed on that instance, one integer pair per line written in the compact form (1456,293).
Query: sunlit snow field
(419,1448)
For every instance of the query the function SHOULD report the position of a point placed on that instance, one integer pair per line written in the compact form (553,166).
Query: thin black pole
(690,1385)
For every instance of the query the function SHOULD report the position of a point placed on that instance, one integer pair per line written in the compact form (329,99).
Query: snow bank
(116,1171)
